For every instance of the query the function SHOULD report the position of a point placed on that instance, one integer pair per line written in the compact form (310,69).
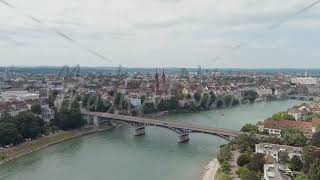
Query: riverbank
(211,170)
(10,154)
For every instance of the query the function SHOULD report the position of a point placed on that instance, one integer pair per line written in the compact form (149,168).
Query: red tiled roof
(305,126)
(315,122)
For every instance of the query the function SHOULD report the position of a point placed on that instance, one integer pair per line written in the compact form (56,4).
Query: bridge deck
(192,127)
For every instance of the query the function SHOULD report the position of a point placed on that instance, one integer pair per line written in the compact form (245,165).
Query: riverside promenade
(10,154)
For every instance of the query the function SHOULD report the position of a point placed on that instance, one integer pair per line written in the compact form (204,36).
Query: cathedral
(160,85)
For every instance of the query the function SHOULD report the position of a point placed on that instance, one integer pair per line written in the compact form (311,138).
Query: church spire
(157,81)
(163,76)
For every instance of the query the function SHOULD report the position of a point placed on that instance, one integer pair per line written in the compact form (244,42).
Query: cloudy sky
(162,33)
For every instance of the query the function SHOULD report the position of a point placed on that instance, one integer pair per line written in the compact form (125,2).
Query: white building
(264,91)
(136,102)
(272,172)
(19,95)
(304,80)
(274,149)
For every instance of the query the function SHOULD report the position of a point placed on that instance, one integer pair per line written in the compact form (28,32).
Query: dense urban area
(43,106)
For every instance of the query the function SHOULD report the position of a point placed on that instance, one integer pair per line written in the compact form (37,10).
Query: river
(118,155)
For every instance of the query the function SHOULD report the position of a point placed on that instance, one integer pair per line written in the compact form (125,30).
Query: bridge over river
(182,129)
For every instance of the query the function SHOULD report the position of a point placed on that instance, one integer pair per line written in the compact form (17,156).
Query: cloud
(153,32)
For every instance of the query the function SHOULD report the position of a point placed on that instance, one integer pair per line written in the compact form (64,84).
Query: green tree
(251,175)
(118,99)
(314,172)
(222,176)
(225,166)
(315,140)
(302,177)
(252,128)
(224,153)
(149,108)
(250,95)
(242,172)
(243,159)
(246,142)
(84,100)
(256,163)
(197,96)
(293,137)
(212,98)
(28,125)
(282,116)
(271,140)
(8,133)
(51,98)
(36,109)
(69,117)
(310,154)
(296,163)
(284,157)
(228,100)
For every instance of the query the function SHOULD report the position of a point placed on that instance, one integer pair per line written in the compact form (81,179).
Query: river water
(118,155)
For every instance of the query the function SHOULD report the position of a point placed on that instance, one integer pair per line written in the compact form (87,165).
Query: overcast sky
(162,33)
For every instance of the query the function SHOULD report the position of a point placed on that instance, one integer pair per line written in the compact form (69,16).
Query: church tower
(156,77)
(163,77)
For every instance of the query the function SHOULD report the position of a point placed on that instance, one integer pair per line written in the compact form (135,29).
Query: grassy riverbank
(26,148)
(220,175)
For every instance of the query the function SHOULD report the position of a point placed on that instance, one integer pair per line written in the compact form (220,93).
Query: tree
(205,101)
(225,166)
(222,176)
(283,157)
(69,117)
(251,175)
(242,172)
(197,96)
(296,163)
(256,163)
(36,109)
(227,100)
(246,142)
(8,133)
(85,99)
(309,154)
(118,99)
(315,140)
(250,128)
(51,98)
(224,153)
(149,108)
(293,137)
(195,108)
(28,125)
(243,159)
(314,172)
(250,95)
(220,103)
(271,140)
(212,98)
(282,116)
(302,177)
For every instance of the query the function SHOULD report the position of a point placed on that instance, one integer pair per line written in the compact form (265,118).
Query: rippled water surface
(118,155)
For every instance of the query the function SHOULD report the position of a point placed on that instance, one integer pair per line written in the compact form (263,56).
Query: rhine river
(118,155)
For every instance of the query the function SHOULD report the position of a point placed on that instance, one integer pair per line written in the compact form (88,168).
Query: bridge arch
(182,129)
(144,125)
(178,131)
